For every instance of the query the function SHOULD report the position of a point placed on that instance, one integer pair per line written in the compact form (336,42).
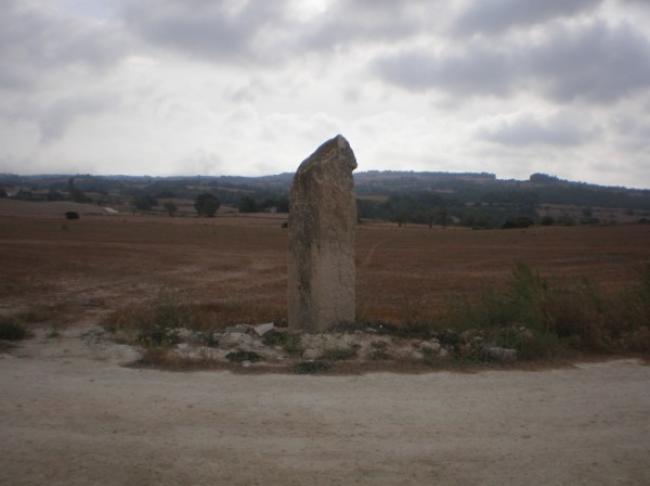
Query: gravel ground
(71,415)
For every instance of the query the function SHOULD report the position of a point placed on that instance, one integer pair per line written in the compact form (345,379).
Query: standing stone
(322,223)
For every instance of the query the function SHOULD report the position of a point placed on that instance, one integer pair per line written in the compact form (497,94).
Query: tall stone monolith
(322,224)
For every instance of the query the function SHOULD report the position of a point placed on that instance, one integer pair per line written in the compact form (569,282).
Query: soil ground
(69,418)
(238,264)
(70,414)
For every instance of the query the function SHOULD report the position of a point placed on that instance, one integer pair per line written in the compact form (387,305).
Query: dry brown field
(235,266)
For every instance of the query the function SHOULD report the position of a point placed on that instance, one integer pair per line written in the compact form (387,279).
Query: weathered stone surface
(234,339)
(500,354)
(262,329)
(322,223)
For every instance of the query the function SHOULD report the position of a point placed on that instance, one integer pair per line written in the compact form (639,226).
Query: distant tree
(171,208)
(544,178)
(24,195)
(280,203)
(442,217)
(165,193)
(247,205)
(55,196)
(206,204)
(566,220)
(588,217)
(518,222)
(3,193)
(144,202)
(547,221)
(79,196)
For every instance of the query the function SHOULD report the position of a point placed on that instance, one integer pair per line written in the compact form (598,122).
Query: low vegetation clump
(312,367)
(154,325)
(241,356)
(540,320)
(340,354)
(12,330)
(533,318)
(170,311)
(290,342)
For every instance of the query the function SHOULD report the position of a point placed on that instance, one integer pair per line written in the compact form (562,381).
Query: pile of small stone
(266,344)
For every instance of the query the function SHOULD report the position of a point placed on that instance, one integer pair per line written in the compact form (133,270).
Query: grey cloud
(482,72)
(58,116)
(263,31)
(595,62)
(600,63)
(366,20)
(526,129)
(632,132)
(34,41)
(203,28)
(499,15)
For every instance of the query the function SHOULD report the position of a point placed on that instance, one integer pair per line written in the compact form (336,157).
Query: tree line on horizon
(473,200)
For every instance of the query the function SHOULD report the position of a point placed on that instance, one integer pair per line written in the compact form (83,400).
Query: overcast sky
(167,87)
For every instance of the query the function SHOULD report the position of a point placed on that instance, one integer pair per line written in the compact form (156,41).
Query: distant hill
(471,199)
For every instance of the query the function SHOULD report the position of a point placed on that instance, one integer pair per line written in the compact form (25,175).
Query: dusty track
(68,418)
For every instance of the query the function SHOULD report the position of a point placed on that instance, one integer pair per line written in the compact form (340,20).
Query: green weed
(12,330)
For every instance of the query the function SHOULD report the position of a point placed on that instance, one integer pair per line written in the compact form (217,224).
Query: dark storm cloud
(527,130)
(499,15)
(35,42)
(204,28)
(594,62)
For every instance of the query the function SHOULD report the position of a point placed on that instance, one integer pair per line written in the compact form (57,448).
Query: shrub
(171,208)
(566,220)
(518,222)
(547,221)
(79,196)
(207,204)
(379,355)
(311,367)
(161,328)
(71,215)
(291,343)
(156,324)
(247,205)
(539,319)
(144,202)
(12,330)
(241,356)
(339,354)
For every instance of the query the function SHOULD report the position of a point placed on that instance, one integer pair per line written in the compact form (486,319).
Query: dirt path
(72,416)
